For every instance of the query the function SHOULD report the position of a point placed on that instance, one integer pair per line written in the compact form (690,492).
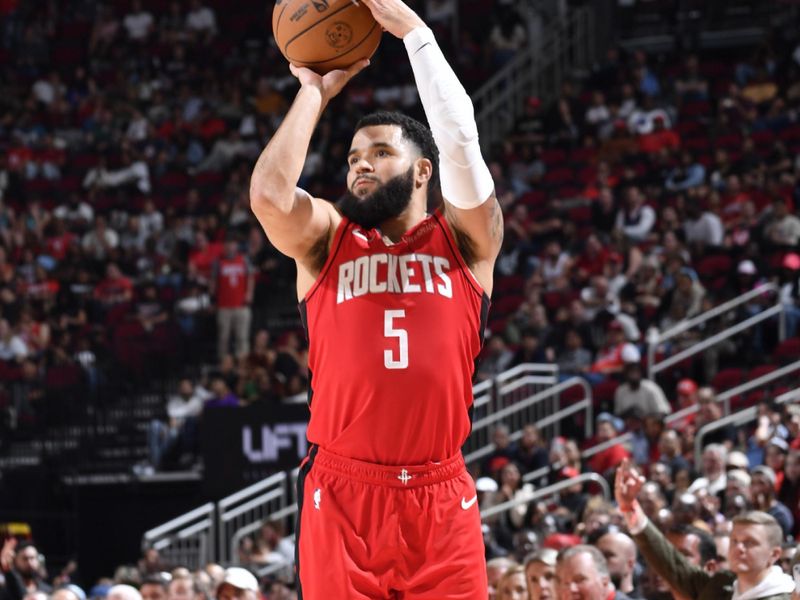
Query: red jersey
(394,331)
(232,275)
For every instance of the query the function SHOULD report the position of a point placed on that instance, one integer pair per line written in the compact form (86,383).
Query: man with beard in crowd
(20,565)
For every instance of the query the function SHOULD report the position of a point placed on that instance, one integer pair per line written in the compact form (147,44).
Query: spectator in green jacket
(755,546)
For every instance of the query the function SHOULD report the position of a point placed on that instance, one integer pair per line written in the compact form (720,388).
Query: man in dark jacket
(20,566)
(755,546)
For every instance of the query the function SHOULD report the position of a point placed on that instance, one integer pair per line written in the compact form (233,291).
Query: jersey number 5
(390,331)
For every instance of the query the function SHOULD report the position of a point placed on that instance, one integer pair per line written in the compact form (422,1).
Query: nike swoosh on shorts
(466,504)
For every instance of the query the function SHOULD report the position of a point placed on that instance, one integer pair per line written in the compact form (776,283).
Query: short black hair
(414,131)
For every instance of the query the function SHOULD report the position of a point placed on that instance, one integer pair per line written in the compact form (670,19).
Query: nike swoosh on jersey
(467,504)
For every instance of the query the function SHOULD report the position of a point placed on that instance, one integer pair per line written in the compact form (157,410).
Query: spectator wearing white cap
(238,584)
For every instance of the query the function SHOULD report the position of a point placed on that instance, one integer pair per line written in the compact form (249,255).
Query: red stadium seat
(553,156)
(603,393)
(714,266)
(559,176)
(727,379)
(787,351)
(790,133)
(760,371)
(507,304)
(763,138)
(509,284)
(533,198)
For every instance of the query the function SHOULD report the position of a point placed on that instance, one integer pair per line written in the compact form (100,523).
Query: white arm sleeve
(466,180)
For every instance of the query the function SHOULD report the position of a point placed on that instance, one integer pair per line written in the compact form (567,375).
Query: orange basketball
(324,34)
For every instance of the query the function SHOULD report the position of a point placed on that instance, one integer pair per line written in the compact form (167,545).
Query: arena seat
(727,379)
(787,351)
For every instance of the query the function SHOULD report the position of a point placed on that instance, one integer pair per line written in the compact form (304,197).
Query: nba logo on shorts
(317,497)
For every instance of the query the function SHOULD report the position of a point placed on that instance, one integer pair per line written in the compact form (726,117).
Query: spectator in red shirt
(608,427)
(203,257)
(114,289)
(659,138)
(233,282)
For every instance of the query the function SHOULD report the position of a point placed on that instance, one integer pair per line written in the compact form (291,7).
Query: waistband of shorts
(400,476)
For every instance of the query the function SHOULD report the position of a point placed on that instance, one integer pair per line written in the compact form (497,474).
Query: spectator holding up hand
(755,546)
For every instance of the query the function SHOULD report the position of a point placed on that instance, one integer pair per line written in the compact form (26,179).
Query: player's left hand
(394,16)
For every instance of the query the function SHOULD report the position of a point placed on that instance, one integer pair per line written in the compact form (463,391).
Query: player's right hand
(627,485)
(332,82)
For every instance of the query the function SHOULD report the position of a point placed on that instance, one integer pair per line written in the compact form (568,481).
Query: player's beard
(388,201)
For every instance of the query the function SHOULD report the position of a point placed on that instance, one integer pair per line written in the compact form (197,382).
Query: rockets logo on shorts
(393,331)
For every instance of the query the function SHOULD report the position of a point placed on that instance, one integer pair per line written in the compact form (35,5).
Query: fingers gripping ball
(324,34)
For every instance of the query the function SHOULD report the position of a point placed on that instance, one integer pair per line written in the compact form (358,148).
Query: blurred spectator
(620,554)
(201,21)
(639,392)
(607,428)
(755,546)
(138,23)
(496,568)
(688,174)
(12,346)
(512,585)
(122,591)
(233,283)
(22,569)
(531,452)
(582,571)
(713,470)
(153,587)
(540,574)
(636,219)
(763,495)
(179,432)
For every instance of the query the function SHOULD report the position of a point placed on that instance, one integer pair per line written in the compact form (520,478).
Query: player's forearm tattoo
(496,217)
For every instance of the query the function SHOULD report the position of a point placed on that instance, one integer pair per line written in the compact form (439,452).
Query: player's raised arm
(293,220)
(467,186)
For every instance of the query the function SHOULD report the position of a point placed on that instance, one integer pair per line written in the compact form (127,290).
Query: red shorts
(370,531)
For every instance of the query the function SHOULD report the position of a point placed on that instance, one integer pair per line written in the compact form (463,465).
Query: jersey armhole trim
(338,236)
(467,272)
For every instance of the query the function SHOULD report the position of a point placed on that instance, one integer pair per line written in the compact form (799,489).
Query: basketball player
(394,302)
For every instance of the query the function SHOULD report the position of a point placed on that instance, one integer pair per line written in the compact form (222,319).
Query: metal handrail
(250,490)
(739,418)
(585,404)
(704,317)
(482,393)
(189,538)
(538,397)
(200,511)
(714,339)
(725,396)
(548,491)
(525,368)
(536,69)
(711,313)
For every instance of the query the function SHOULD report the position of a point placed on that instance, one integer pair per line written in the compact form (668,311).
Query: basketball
(324,34)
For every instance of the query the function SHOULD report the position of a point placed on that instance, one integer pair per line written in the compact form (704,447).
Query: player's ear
(423,171)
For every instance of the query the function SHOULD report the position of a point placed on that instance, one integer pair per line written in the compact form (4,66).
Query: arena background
(127,144)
